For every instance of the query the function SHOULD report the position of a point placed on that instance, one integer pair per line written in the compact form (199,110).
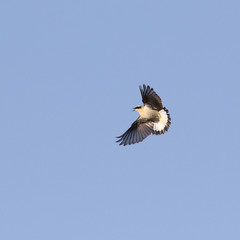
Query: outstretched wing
(138,131)
(149,97)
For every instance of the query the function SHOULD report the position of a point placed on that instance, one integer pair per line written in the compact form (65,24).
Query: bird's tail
(163,124)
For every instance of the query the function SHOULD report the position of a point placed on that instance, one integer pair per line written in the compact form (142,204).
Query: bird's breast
(149,113)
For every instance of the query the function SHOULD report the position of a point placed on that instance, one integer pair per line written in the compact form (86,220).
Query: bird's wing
(149,97)
(139,130)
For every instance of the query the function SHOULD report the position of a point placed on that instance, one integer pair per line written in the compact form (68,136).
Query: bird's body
(153,119)
(148,112)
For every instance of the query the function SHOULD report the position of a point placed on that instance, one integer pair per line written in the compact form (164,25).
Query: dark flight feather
(150,98)
(138,131)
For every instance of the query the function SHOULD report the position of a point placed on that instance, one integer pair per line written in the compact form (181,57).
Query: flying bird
(153,119)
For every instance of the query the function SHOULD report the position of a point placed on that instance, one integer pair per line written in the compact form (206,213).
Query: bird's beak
(134,109)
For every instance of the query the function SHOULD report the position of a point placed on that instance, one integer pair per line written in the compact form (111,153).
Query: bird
(153,119)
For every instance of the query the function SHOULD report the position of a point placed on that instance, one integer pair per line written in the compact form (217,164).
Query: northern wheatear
(153,119)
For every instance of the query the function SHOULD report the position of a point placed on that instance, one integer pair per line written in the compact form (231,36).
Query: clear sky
(70,76)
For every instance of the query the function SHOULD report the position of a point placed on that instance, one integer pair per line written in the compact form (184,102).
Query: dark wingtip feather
(150,97)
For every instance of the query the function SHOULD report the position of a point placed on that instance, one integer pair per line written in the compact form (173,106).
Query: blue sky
(70,72)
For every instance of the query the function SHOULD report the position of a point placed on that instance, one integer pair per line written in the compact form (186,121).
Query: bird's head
(138,109)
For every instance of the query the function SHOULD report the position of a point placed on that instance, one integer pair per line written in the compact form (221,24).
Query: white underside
(159,126)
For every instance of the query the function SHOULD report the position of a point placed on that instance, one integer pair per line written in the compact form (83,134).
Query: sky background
(70,76)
